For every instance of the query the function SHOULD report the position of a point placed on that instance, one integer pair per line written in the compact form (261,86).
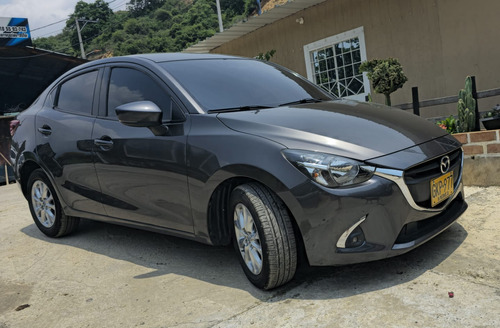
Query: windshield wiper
(302,101)
(237,109)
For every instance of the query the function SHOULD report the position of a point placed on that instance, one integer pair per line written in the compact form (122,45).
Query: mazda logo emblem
(445,164)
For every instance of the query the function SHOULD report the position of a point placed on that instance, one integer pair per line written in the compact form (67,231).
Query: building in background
(438,42)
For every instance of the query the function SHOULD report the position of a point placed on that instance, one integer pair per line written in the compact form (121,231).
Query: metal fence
(416,104)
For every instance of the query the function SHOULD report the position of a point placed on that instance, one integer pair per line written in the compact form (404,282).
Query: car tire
(263,236)
(46,209)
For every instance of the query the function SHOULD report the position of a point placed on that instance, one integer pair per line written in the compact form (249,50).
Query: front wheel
(263,236)
(46,209)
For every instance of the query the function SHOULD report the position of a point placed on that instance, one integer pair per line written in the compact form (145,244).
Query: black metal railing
(416,104)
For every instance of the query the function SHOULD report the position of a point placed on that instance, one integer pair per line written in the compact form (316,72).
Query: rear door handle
(45,130)
(104,143)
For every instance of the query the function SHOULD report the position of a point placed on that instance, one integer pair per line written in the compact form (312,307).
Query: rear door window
(77,94)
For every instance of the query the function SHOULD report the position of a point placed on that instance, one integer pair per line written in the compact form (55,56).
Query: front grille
(420,230)
(418,178)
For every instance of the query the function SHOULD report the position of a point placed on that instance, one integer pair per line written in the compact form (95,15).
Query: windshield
(235,83)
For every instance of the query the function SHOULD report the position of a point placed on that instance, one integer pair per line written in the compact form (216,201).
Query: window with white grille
(333,63)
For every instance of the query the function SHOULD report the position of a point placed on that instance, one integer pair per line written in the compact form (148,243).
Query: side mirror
(139,114)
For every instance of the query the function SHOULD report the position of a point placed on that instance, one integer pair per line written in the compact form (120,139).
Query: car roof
(155,58)
(148,59)
(164,57)
(159,58)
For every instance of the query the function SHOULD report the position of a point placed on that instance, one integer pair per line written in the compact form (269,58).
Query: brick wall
(481,143)
(482,157)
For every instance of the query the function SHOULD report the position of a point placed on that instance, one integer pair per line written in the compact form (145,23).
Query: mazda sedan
(223,150)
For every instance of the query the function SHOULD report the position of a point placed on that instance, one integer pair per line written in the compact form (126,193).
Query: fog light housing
(352,237)
(355,239)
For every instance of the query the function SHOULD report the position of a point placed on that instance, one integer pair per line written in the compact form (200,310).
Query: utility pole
(221,28)
(79,31)
(80,39)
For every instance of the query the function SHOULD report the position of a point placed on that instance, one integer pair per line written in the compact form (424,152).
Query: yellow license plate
(441,188)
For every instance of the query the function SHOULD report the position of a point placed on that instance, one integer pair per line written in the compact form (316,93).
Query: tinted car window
(76,95)
(228,83)
(128,85)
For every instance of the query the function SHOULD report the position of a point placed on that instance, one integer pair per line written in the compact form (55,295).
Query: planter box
(491,123)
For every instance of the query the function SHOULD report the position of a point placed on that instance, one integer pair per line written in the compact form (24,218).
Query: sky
(44,12)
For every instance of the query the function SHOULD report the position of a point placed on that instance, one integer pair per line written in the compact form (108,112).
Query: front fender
(201,194)
(216,154)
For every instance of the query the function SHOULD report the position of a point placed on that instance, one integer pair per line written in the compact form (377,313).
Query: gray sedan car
(223,150)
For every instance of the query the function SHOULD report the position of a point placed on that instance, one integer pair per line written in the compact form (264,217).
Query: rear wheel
(46,209)
(263,236)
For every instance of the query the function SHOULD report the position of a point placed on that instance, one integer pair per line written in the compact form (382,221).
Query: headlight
(329,170)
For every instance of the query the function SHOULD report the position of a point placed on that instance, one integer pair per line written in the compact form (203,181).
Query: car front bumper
(391,223)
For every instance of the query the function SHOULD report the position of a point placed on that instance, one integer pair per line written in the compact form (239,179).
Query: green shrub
(386,76)
(449,124)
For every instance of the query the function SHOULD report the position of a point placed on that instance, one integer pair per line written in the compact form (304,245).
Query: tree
(97,11)
(141,7)
(148,25)
(250,7)
(237,10)
(386,76)
(232,7)
(199,22)
(111,35)
(57,43)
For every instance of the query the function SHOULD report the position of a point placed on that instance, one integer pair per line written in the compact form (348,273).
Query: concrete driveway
(111,276)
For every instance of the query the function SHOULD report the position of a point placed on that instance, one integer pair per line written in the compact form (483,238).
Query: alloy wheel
(248,238)
(43,204)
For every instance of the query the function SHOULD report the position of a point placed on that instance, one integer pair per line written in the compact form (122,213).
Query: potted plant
(466,108)
(386,76)
(449,124)
(491,120)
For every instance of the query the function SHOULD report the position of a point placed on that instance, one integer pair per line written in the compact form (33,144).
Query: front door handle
(104,143)
(45,130)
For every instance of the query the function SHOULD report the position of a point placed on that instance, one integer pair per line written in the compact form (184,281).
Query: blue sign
(14,32)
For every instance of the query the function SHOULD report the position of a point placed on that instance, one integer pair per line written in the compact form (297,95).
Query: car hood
(348,128)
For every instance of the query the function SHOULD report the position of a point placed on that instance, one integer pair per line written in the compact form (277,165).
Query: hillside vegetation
(147,26)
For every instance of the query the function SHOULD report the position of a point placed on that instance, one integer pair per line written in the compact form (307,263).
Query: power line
(39,28)
(62,20)
(48,33)
(124,2)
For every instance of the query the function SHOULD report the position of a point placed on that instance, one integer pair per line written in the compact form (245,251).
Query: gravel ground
(112,276)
